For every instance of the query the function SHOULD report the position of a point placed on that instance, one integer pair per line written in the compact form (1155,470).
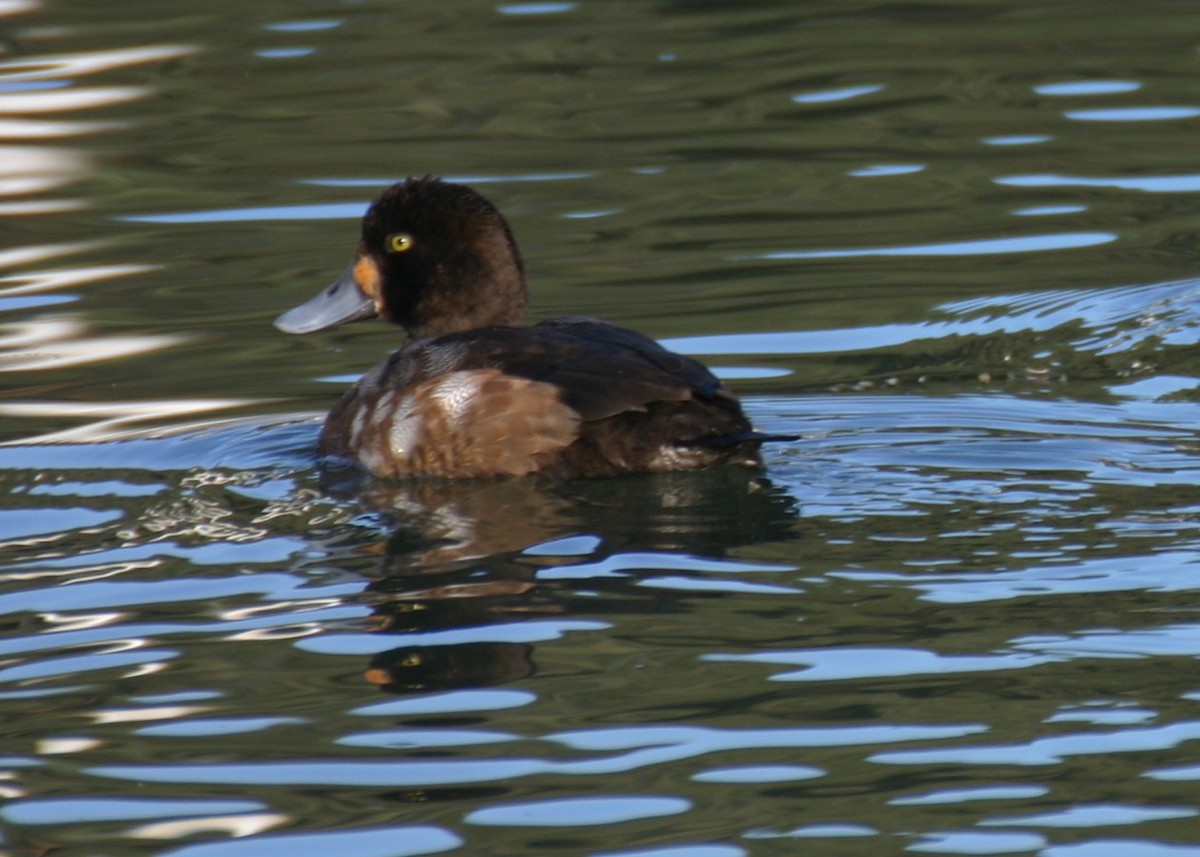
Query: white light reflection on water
(109,420)
(72,65)
(138,715)
(56,341)
(235,826)
(13,257)
(35,169)
(56,100)
(15,7)
(31,129)
(34,282)
(34,85)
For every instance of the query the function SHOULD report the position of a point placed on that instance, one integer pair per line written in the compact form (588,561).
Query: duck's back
(577,396)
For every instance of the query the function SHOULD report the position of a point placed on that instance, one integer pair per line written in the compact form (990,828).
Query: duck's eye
(401,242)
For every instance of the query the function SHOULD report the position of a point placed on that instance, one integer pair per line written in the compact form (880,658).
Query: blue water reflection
(397,841)
(986,246)
(82,810)
(1088,87)
(952,616)
(1149,184)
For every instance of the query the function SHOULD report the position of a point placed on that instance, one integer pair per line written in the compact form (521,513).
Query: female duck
(476,393)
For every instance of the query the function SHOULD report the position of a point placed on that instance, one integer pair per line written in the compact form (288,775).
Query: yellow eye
(401,242)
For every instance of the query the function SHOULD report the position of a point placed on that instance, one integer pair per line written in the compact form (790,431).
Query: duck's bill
(340,303)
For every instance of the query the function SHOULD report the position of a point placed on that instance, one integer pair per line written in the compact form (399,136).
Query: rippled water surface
(952,246)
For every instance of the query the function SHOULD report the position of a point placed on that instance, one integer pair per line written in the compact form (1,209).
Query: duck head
(434,257)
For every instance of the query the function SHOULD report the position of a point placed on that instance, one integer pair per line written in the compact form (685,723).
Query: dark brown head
(434,257)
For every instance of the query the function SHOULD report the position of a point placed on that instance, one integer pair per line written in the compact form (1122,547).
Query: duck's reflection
(479,554)
(422,669)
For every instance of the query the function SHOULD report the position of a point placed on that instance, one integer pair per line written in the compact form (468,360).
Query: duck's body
(475,394)
(579,397)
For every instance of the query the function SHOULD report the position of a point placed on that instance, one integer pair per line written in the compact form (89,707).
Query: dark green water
(950,245)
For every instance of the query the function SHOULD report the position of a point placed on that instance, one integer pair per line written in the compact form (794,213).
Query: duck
(475,391)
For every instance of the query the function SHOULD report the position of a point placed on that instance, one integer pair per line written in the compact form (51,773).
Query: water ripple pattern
(950,248)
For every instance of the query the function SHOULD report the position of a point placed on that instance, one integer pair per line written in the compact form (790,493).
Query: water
(953,246)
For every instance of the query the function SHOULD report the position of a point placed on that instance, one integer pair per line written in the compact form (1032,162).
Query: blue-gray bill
(340,303)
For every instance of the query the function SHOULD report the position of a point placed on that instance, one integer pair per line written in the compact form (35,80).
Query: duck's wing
(603,369)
